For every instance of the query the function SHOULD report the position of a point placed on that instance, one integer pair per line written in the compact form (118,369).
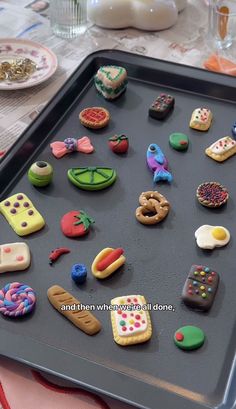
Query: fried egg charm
(209,237)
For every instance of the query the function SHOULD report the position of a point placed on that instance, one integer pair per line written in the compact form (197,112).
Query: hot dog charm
(107,262)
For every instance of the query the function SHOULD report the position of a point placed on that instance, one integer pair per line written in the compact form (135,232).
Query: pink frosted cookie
(130,319)
(17,299)
(222,149)
(201,119)
(14,257)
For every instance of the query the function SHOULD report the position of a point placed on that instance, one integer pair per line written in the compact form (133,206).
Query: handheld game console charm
(107,262)
(158,164)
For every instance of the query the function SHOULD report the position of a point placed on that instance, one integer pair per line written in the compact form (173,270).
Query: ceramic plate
(44,58)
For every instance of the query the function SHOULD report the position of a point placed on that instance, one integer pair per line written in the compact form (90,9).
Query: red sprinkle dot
(190,292)
(210,279)
(7,250)
(179,336)
(20,258)
(213,273)
(119,312)
(124,315)
(124,328)
(128,299)
(137,317)
(143,321)
(135,300)
(137,324)
(190,286)
(131,328)
(132,314)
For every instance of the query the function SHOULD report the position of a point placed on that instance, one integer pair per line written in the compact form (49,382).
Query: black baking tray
(154,375)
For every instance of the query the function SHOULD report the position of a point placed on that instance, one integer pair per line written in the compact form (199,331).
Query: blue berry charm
(234,130)
(79,273)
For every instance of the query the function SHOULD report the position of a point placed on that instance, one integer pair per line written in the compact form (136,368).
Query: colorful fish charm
(158,164)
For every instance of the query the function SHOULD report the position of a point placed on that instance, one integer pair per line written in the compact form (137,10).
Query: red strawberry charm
(76,223)
(119,143)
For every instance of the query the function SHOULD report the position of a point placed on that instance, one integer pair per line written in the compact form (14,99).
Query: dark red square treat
(161,106)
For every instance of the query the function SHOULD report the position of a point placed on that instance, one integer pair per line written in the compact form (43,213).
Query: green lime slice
(92,178)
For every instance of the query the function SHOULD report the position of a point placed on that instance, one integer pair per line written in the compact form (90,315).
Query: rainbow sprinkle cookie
(130,319)
(17,299)
(111,81)
(212,194)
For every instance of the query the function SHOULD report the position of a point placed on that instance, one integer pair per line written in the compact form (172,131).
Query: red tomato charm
(76,223)
(119,143)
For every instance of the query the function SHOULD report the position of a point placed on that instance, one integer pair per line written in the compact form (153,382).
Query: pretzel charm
(154,208)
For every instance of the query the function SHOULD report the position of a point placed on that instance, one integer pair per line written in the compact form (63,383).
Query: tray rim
(92,373)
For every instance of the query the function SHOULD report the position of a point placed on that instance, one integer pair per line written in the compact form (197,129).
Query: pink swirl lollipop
(16,299)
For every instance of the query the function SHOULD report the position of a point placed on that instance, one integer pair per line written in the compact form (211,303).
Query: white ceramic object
(43,57)
(150,15)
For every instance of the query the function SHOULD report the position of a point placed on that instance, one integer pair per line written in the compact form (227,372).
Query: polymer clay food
(200,287)
(92,178)
(158,164)
(222,149)
(21,214)
(94,117)
(111,81)
(76,223)
(119,143)
(212,194)
(60,149)
(40,174)
(179,141)
(14,257)
(189,337)
(209,237)
(17,299)
(234,130)
(201,119)
(107,262)
(131,323)
(84,320)
(161,106)
(79,273)
(153,208)
(55,254)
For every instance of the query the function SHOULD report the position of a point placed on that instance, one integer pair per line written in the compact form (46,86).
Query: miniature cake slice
(111,81)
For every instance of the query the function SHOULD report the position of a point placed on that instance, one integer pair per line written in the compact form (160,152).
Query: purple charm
(19,197)
(16,204)
(26,204)
(7,203)
(13,211)
(30,212)
(23,224)
(71,144)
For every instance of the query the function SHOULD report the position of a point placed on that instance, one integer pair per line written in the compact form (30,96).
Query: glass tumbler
(68,17)
(222,22)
